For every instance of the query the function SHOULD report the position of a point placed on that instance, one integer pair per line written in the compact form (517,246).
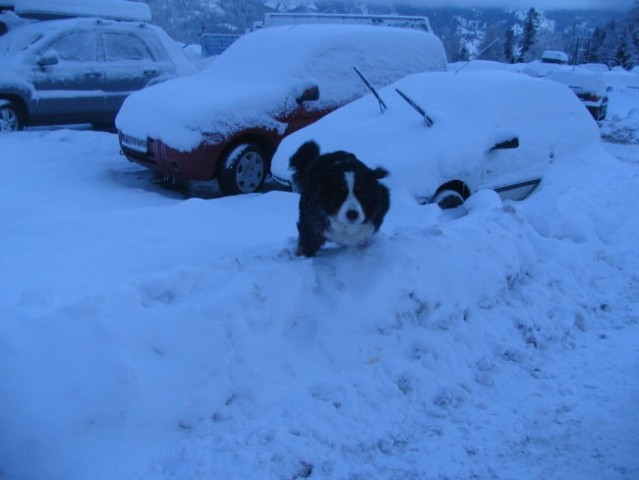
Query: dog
(341,199)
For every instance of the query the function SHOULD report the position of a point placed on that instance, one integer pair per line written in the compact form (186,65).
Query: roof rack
(107,9)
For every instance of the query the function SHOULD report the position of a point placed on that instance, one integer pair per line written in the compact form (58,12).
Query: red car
(227,121)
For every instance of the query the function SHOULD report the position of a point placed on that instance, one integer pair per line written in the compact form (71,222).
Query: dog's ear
(380,172)
(308,152)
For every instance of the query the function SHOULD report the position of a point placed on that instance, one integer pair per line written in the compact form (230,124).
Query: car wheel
(10,118)
(243,170)
(448,199)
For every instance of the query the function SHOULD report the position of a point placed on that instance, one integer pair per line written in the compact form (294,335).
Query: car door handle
(93,75)
(151,71)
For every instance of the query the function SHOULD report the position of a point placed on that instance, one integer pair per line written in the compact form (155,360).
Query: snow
(622,123)
(150,335)
(112,9)
(267,75)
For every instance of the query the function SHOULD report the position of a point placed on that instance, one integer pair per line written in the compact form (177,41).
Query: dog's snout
(352,215)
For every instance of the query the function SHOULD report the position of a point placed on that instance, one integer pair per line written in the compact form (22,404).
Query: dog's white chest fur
(349,226)
(350,235)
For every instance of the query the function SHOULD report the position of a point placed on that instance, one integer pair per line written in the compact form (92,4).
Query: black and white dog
(341,199)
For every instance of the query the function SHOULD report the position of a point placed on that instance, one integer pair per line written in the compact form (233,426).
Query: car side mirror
(311,94)
(48,58)
(509,144)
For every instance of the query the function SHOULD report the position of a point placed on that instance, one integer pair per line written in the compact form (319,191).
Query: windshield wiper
(418,108)
(382,105)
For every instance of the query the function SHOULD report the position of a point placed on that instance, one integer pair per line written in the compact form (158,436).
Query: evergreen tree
(464,54)
(241,13)
(632,25)
(492,45)
(531,24)
(598,38)
(623,57)
(509,46)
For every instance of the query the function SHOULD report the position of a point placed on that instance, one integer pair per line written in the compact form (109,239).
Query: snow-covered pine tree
(531,24)
(509,46)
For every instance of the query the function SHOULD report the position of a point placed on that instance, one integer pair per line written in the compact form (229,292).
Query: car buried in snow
(225,122)
(587,83)
(444,136)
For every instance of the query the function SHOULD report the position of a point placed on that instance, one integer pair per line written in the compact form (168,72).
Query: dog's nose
(352,215)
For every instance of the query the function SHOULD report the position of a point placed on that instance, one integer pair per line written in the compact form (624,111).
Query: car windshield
(21,38)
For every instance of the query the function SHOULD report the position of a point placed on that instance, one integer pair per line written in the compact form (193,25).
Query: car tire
(10,117)
(448,199)
(603,110)
(104,127)
(243,170)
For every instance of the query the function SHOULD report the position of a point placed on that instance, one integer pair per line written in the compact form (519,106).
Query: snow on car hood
(260,76)
(180,112)
(472,111)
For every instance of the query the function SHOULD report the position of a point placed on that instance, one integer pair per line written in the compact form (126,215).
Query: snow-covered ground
(147,334)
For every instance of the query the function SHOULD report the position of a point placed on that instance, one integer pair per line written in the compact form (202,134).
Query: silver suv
(80,70)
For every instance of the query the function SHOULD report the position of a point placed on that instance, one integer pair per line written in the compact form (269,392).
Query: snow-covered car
(226,121)
(594,67)
(588,85)
(80,70)
(554,56)
(474,130)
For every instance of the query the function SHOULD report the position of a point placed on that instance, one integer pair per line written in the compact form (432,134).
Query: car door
(70,89)
(130,66)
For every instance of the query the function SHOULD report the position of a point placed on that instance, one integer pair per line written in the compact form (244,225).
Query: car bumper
(198,164)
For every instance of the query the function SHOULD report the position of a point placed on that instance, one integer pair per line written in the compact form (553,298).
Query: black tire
(448,199)
(598,113)
(104,127)
(243,170)
(10,117)
(603,111)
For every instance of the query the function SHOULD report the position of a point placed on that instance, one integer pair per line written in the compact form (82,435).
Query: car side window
(76,47)
(119,46)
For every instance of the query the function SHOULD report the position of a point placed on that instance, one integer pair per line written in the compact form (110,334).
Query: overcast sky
(538,4)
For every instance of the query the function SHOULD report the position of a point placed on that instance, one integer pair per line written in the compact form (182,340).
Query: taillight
(590,97)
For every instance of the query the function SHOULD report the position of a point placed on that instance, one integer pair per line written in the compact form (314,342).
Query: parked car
(444,136)
(594,67)
(227,121)
(80,70)
(588,85)
(554,56)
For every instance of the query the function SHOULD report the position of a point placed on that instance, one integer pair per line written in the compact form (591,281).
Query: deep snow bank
(148,336)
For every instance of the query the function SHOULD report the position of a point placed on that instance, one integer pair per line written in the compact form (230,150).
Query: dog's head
(350,191)
(341,200)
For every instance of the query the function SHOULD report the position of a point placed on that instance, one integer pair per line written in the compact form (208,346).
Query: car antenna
(483,50)
(418,109)
(382,105)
